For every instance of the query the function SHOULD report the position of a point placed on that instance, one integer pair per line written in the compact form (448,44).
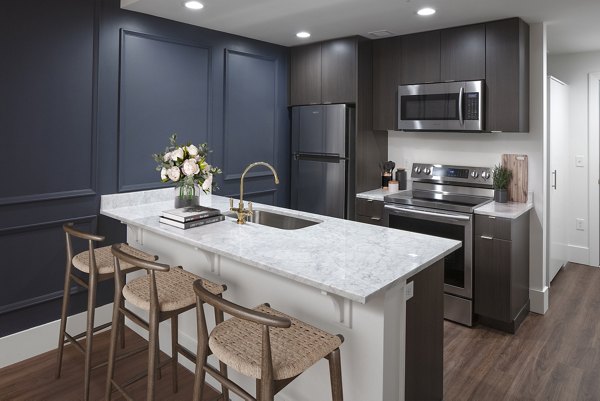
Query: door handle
(486,237)
(554,174)
(460,105)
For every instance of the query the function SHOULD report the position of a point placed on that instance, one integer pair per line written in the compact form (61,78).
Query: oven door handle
(426,213)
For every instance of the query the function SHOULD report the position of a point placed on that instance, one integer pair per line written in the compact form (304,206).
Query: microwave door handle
(460,105)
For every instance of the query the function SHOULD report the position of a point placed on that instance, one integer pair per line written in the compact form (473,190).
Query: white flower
(167,157)
(192,150)
(190,167)
(163,174)
(174,173)
(206,168)
(207,183)
(177,154)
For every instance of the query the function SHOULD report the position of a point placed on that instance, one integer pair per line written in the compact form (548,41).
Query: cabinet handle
(369,200)
(492,217)
(376,218)
(486,237)
(554,174)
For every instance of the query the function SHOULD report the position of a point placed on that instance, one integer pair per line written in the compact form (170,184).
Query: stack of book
(192,216)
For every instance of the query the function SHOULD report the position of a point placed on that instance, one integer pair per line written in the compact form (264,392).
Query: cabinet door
(492,272)
(507,75)
(386,78)
(421,58)
(338,63)
(305,87)
(463,53)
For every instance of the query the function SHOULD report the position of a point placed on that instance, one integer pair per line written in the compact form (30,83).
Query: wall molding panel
(177,101)
(250,90)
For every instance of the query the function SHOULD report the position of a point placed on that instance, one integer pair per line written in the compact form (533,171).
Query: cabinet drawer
(376,221)
(494,227)
(369,208)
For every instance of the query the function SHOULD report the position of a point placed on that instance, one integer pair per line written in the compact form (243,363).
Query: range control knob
(474,174)
(417,170)
(485,175)
(427,170)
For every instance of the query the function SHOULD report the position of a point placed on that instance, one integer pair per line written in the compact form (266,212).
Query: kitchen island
(342,276)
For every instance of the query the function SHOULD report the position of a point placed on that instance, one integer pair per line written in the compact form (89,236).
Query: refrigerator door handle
(324,157)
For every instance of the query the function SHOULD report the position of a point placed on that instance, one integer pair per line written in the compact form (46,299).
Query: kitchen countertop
(343,257)
(376,194)
(509,210)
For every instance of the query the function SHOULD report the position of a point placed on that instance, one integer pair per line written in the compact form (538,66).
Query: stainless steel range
(441,203)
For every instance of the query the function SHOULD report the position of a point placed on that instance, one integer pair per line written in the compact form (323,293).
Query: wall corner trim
(539,300)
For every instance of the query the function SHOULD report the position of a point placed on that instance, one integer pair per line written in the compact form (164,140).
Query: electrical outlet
(579,160)
(579,224)
(409,290)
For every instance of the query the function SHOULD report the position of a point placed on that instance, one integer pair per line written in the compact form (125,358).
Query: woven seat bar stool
(165,292)
(97,263)
(262,343)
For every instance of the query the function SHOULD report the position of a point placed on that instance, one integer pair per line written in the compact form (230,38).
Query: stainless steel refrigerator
(323,159)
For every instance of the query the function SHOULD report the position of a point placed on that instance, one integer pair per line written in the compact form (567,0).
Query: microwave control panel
(471,106)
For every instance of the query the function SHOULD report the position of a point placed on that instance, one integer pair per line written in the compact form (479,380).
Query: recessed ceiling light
(426,11)
(194,5)
(303,35)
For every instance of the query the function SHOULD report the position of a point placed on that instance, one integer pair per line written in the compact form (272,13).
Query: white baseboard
(31,342)
(538,300)
(579,254)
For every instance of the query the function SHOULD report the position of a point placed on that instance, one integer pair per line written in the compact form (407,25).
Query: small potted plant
(501,179)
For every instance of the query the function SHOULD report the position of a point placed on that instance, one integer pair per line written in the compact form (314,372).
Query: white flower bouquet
(186,166)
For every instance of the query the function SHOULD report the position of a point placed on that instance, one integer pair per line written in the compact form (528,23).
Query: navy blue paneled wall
(89,92)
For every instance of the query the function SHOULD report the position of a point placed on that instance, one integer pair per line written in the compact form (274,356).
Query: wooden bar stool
(165,293)
(97,263)
(262,343)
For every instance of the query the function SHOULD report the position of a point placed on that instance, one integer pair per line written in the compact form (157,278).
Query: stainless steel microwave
(445,106)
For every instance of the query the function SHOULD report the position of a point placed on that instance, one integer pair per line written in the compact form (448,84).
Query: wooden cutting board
(518,187)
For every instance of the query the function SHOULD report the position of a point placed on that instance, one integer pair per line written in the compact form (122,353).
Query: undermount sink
(276,220)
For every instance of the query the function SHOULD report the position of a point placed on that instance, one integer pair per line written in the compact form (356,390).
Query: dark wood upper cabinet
(338,71)
(420,58)
(305,74)
(387,54)
(507,75)
(325,72)
(463,53)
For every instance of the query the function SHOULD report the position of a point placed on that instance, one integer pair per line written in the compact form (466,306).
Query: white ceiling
(573,25)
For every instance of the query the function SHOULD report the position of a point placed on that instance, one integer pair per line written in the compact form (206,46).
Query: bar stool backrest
(266,320)
(150,267)
(70,230)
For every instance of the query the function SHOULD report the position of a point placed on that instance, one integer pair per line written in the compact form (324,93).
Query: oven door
(458,266)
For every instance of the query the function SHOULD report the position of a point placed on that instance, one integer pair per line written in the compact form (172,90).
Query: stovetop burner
(453,188)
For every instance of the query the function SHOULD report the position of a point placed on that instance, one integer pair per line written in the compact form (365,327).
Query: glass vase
(187,195)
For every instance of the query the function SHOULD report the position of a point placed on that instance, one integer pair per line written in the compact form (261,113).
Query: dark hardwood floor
(552,357)
(33,379)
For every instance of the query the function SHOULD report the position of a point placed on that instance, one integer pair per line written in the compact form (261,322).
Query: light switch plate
(409,290)
(579,160)
(579,224)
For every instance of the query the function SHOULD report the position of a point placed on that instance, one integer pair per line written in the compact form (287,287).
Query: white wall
(573,69)
(484,150)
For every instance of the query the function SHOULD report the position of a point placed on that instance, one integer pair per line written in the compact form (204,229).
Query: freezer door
(320,129)
(319,186)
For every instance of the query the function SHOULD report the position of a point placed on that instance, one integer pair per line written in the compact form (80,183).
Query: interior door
(558,128)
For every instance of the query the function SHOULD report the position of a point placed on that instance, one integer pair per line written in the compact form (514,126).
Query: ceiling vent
(384,33)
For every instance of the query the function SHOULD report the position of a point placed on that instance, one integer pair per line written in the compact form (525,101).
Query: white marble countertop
(347,258)
(509,210)
(376,194)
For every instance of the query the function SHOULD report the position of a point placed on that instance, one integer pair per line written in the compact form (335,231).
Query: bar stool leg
(335,373)
(122,317)
(219,318)
(152,354)
(114,333)
(201,353)
(91,309)
(63,318)
(174,351)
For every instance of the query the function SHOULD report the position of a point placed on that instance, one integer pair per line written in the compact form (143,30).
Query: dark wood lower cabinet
(369,211)
(425,335)
(501,271)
